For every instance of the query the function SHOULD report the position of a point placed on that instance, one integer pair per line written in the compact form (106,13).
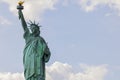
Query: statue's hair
(33,23)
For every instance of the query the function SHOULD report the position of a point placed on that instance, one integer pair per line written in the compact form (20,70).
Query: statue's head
(35,28)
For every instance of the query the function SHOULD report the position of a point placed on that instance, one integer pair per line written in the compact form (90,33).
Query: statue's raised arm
(21,16)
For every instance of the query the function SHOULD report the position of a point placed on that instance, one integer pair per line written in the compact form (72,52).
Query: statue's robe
(36,54)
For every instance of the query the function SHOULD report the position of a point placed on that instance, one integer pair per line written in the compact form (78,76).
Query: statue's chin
(36,34)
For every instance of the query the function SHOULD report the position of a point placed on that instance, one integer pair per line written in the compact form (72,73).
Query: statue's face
(35,30)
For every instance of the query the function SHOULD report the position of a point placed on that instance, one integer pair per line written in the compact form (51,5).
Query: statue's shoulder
(42,39)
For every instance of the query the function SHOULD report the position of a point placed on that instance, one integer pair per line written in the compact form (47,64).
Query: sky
(83,37)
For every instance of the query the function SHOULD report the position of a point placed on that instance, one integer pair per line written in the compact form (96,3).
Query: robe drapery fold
(36,53)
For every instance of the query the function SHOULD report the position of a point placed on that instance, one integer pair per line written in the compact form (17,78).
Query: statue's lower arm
(21,16)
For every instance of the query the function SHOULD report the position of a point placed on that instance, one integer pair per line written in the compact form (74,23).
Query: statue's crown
(33,23)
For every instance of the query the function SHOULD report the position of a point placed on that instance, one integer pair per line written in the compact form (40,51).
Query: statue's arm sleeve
(47,53)
(21,17)
(43,50)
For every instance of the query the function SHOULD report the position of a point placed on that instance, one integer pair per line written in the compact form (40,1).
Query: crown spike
(30,21)
(34,21)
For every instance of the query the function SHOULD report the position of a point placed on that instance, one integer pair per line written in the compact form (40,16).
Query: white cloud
(65,72)
(93,72)
(4,21)
(90,5)
(33,8)
(11,76)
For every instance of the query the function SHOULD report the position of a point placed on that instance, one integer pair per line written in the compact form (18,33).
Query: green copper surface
(36,52)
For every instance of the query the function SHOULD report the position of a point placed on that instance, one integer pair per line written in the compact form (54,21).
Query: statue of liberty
(36,51)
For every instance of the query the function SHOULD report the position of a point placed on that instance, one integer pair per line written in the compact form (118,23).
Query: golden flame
(20,2)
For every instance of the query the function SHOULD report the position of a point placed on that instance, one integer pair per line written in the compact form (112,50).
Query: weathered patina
(36,51)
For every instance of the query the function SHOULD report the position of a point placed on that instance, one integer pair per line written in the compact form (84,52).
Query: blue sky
(83,34)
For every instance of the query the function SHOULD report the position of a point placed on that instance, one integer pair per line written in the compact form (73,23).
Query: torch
(20,5)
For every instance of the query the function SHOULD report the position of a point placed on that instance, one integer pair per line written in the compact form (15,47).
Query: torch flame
(20,2)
